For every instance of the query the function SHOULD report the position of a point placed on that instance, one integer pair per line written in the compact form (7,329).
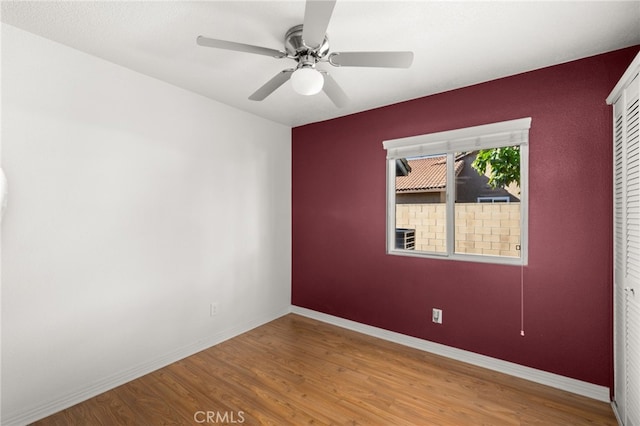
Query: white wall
(133,204)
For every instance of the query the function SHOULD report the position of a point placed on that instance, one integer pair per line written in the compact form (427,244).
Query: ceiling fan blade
(270,86)
(372,59)
(334,91)
(317,14)
(239,47)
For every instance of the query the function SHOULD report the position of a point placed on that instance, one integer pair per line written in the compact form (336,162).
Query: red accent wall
(339,261)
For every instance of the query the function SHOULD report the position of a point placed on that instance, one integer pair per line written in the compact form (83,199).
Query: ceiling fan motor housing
(295,47)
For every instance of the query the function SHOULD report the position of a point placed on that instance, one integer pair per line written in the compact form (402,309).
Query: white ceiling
(456,44)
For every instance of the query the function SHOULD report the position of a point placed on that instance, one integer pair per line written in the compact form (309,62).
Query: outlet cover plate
(436,315)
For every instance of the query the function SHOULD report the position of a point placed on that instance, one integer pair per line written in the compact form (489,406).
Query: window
(494,199)
(460,194)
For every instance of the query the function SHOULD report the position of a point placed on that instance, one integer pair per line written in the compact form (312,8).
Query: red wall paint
(339,261)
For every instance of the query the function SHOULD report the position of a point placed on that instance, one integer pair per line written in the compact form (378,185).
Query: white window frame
(491,200)
(494,135)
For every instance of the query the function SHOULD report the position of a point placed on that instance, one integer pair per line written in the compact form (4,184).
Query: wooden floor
(295,370)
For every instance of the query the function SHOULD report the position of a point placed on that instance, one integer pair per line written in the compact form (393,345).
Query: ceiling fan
(308,45)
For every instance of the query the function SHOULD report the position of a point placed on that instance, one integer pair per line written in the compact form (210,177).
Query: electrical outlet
(213,309)
(436,316)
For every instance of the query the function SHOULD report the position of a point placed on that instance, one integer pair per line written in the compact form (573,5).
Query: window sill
(461,257)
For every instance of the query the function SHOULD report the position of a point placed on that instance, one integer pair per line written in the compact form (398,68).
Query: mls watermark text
(218,417)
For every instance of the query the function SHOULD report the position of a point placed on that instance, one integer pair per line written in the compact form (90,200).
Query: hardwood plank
(148,404)
(296,370)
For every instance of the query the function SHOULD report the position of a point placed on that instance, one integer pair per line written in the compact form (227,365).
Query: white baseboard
(600,393)
(59,403)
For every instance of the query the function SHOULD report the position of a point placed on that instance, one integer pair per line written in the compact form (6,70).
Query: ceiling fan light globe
(307,81)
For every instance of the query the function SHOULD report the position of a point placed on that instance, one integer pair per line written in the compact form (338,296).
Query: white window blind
(504,133)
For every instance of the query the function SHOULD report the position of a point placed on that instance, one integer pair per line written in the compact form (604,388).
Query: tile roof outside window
(428,173)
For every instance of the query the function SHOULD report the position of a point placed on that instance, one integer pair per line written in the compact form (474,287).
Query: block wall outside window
(485,229)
